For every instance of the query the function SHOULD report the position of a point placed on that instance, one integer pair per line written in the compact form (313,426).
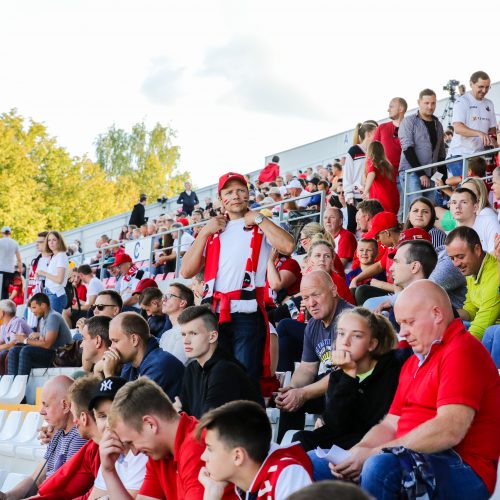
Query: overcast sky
(238,80)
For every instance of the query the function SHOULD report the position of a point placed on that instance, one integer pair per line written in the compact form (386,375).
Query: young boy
(239,451)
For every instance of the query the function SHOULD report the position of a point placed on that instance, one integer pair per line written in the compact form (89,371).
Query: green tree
(146,157)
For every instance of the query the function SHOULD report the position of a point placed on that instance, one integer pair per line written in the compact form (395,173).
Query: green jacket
(483,300)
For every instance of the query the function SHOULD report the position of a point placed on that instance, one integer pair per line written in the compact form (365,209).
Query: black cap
(107,390)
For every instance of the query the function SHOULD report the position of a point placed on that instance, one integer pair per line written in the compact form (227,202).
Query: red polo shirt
(458,370)
(386,133)
(177,476)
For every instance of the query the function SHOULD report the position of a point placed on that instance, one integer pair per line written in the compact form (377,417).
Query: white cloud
(162,84)
(255,83)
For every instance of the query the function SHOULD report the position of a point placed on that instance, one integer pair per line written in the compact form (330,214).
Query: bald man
(64,443)
(319,294)
(445,408)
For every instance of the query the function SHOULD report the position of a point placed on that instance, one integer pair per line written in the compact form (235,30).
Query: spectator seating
(3,417)
(39,376)
(11,426)
(12,480)
(16,391)
(5,383)
(27,434)
(3,475)
(273,414)
(308,426)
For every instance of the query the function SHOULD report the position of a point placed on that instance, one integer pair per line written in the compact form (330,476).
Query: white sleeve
(348,177)
(460,112)
(135,471)
(61,260)
(99,480)
(292,479)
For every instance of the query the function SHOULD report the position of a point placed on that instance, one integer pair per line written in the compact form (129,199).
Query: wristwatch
(258,219)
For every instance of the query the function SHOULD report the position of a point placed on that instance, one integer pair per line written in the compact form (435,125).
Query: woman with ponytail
(380,183)
(354,167)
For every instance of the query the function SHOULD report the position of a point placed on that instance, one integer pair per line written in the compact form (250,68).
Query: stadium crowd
(388,322)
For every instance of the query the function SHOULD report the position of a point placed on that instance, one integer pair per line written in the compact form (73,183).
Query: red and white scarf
(130,273)
(248,290)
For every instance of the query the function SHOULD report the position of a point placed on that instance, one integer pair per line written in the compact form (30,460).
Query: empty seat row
(9,481)
(12,389)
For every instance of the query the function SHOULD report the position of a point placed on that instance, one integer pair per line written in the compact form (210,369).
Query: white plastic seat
(3,417)
(27,434)
(288,436)
(12,425)
(273,414)
(30,451)
(3,475)
(12,480)
(5,383)
(16,392)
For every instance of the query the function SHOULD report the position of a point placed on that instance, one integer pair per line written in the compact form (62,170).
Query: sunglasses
(100,307)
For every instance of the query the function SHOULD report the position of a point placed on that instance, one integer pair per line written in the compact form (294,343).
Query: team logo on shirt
(247,280)
(487,108)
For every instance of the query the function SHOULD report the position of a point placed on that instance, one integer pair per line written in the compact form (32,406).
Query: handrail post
(322,207)
(178,251)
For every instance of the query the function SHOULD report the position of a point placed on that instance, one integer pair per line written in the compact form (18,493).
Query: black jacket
(220,380)
(352,407)
(188,201)
(137,216)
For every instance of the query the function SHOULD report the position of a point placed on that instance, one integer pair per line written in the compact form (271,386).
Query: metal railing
(465,165)
(148,242)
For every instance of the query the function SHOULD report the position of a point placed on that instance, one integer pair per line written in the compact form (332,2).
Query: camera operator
(474,121)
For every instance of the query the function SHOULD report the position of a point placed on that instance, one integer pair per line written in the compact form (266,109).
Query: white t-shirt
(56,262)
(477,115)
(234,253)
(303,202)
(186,241)
(8,249)
(171,341)
(129,284)
(486,226)
(94,287)
(131,471)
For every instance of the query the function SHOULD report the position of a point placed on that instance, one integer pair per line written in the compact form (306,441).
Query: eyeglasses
(169,296)
(100,307)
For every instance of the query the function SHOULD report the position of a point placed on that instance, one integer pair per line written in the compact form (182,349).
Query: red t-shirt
(458,370)
(342,288)
(74,479)
(386,263)
(346,244)
(293,266)
(177,476)
(387,135)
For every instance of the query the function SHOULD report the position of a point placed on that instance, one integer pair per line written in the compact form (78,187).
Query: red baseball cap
(122,258)
(230,176)
(143,284)
(183,221)
(381,222)
(412,234)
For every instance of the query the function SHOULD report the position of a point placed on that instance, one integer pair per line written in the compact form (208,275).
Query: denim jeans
(56,303)
(414,184)
(244,337)
(491,340)
(321,471)
(23,358)
(291,343)
(455,480)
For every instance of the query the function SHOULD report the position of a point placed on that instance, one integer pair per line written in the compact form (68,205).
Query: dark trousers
(7,280)
(365,292)
(296,419)
(3,362)
(244,337)
(291,343)
(25,357)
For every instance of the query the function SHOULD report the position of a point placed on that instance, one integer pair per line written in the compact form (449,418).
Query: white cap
(6,229)
(294,183)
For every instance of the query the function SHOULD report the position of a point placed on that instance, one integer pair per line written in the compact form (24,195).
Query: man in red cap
(131,276)
(234,248)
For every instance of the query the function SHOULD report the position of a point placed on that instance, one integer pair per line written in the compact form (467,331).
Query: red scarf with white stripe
(248,290)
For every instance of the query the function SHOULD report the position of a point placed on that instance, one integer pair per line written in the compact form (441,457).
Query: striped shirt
(61,448)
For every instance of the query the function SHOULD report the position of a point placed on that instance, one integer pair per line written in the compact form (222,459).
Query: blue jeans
(381,477)
(321,471)
(291,343)
(23,358)
(56,303)
(414,184)
(244,337)
(491,340)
